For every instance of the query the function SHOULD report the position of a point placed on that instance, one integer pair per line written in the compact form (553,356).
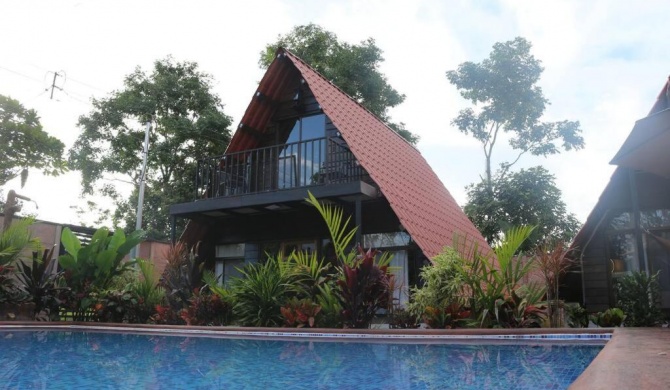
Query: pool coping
(635,358)
(537,334)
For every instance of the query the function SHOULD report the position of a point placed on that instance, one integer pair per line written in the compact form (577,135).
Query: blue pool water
(88,360)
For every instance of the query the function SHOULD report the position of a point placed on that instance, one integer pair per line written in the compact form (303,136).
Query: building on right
(629,228)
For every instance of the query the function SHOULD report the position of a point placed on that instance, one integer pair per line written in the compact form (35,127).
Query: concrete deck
(635,358)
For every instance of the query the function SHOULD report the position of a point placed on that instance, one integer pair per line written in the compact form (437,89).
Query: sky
(605,62)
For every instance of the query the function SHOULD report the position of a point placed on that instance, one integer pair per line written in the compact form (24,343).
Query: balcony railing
(317,161)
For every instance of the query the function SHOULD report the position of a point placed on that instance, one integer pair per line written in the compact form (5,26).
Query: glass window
(655,218)
(228,259)
(313,127)
(623,253)
(299,163)
(622,221)
(385,240)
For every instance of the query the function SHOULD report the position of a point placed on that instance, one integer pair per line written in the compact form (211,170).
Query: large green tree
(187,123)
(526,197)
(503,89)
(353,68)
(24,144)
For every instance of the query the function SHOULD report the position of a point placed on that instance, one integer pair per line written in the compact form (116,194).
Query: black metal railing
(317,161)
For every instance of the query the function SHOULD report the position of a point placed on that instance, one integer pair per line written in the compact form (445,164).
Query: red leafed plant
(364,289)
(300,313)
(452,316)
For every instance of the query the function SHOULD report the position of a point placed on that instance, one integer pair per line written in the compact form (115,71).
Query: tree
(187,123)
(510,101)
(527,197)
(24,144)
(353,68)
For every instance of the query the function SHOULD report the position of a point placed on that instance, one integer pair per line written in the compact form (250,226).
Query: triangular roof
(644,149)
(423,205)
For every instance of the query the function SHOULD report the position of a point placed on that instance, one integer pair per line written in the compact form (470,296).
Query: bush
(259,294)
(609,318)
(639,296)
(207,309)
(442,284)
(300,313)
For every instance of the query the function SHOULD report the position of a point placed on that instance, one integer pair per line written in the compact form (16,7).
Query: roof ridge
(295,57)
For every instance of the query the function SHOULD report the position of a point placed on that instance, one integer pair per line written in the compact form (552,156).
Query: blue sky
(604,61)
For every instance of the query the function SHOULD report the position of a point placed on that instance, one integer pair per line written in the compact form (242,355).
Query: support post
(359,222)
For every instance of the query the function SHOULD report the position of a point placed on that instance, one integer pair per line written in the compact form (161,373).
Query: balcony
(314,162)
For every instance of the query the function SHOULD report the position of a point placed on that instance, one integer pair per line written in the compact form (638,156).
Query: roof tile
(422,203)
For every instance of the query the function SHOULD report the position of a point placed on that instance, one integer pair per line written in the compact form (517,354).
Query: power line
(22,75)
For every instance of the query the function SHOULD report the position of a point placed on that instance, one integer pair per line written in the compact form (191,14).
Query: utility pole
(53,84)
(140,197)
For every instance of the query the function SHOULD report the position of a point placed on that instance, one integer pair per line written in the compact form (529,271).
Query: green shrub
(207,309)
(492,282)
(639,296)
(578,317)
(609,318)
(442,284)
(13,241)
(260,293)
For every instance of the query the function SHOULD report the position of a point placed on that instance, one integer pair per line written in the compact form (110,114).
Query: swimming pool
(88,359)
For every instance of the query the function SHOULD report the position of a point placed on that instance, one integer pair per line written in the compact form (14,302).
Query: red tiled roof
(417,196)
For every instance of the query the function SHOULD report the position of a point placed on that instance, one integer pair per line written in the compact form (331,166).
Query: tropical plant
(365,282)
(338,227)
(451,316)
(305,273)
(517,312)
(491,280)
(147,289)
(331,307)
(100,261)
(94,267)
(259,294)
(14,240)
(553,262)
(118,306)
(612,317)
(207,309)
(442,284)
(364,289)
(40,282)
(166,316)
(639,296)
(577,316)
(401,318)
(299,313)
(182,275)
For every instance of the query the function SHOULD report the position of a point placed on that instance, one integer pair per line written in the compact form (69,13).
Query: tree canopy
(353,68)
(187,123)
(24,144)
(526,197)
(507,99)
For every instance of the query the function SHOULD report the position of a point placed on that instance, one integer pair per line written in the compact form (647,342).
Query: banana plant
(95,265)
